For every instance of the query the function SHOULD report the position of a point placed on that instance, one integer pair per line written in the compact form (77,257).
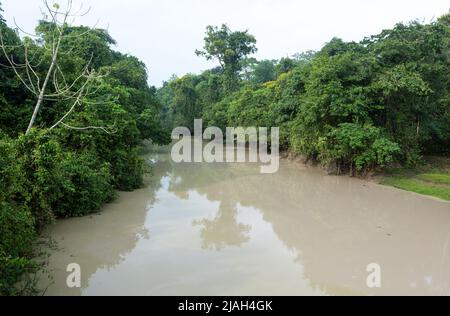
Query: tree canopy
(351,106)
(229,48)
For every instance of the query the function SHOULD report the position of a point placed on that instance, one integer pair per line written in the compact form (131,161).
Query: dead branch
(39,85)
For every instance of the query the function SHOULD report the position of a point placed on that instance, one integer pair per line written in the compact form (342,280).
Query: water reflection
(224,230)
(211,229)
(103,240)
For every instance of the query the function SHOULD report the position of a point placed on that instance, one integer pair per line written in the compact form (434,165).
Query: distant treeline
(351,106)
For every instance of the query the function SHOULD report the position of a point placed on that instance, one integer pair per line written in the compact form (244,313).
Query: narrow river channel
(226,229)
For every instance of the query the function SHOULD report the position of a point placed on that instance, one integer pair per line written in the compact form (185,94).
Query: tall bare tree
(52,84)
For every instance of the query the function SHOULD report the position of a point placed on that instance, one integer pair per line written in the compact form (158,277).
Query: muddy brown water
(226,229)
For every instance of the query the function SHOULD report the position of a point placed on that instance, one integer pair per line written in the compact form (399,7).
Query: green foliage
(38,156)
(186,106)
(413,86)
(16,222)
(230,49)
(150,125)
(15,275)
(216,114)
(128,169)
(263,71)
(82,42)
(14,99)
(273,104)
(84,186)
(16,230)
(389,82)
(359,148)
(59,183)
(285,65)
(357,106)
(72,170)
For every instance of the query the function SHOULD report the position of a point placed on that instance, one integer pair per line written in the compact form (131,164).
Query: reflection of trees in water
(199,176)
(108,237)
(224,230)
(335,225)
(330,222)
(211,180)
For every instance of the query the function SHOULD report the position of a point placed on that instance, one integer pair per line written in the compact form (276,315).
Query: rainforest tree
(230,49)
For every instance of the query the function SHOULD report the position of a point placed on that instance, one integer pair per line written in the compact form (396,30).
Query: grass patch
(418,186)
(437,178)
(432,178)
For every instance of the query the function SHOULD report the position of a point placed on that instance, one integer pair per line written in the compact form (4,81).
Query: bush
(16,229)
(16,223)
(357,148)
(17,237)
(127,169)
(39,155)
(84,185)
(15,271)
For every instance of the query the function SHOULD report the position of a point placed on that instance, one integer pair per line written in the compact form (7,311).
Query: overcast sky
(166,33)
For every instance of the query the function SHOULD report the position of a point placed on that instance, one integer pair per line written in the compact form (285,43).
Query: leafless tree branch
(53,85)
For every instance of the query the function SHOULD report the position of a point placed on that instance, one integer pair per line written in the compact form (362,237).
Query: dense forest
(72,169)
(351,106)
(74,114)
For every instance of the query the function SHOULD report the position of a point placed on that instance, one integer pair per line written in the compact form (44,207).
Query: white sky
(166,33)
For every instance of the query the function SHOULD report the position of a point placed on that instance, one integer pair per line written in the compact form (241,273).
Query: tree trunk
(44,86)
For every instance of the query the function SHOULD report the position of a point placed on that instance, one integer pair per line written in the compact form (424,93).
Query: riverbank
(432,179)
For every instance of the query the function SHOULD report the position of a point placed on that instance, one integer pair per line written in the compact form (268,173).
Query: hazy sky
(166,33)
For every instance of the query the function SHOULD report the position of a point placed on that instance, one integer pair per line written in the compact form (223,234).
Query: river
(227,229)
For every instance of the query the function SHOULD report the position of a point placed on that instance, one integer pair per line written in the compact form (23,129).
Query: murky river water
(219,229)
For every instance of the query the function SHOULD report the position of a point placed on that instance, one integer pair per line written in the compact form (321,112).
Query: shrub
(357,148)
(39,155)
(85,185)
(16,229)
(17,237)
(16,223)
(128,169)
(15,271)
